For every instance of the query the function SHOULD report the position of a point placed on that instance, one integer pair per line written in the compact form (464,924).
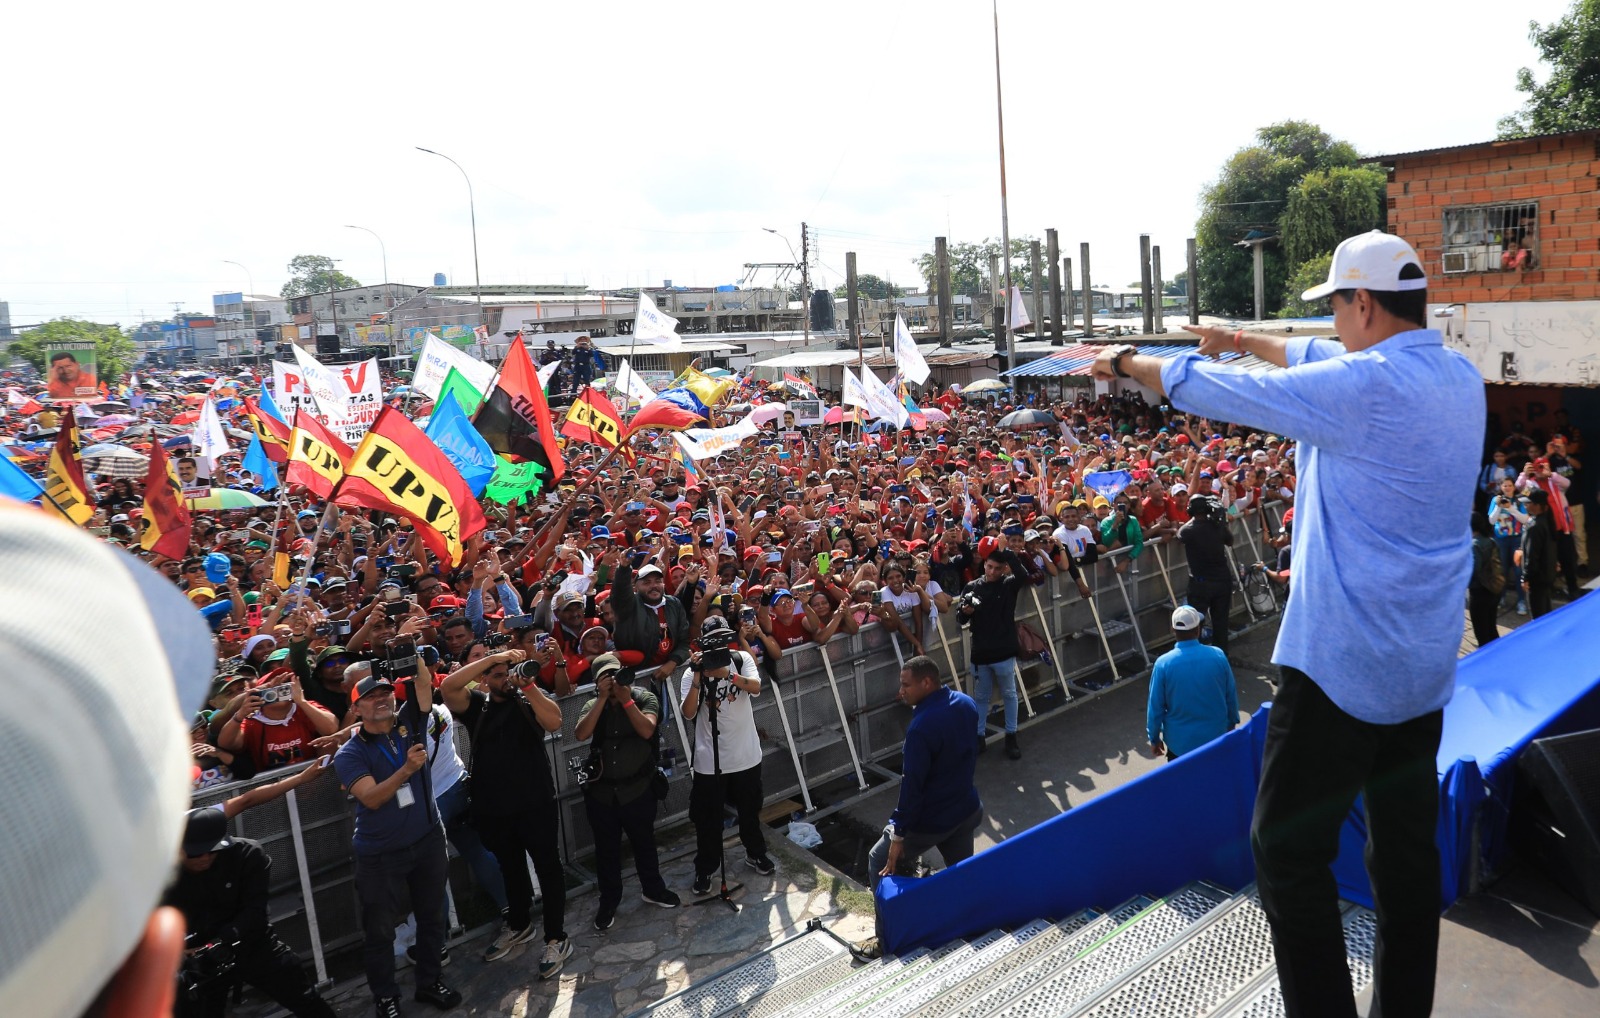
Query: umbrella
(110,405)
(986,385)
(113,419)
(718,372)
(187,417)
(1027,419)
(228,498)
(933,415)
(194,398)
(400,390)
(115,461)
(767,412)
(403,373)
(837,415)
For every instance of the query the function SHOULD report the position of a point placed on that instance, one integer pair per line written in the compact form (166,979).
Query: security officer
(222,892)
(1206,538)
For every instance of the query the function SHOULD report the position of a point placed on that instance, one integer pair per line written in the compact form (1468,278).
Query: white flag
(630,384)
(547,372)
(434,362)
(881,400)
(651,325)
(1019,313)
(853,392)
(906,355)
(704,443)
(210,441)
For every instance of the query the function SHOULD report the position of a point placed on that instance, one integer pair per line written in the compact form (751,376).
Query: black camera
(495,641)
(715,649)
(968,602)
(585,768)
(207,964)
(399,658)
(1207,507)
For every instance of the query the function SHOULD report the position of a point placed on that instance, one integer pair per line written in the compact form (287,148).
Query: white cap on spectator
(1370,261)
(105,664)
(1187,618)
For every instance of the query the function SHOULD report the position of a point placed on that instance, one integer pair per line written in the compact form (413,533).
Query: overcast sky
(623,143)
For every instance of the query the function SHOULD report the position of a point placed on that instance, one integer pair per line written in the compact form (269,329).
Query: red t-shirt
(792,633)
(1153,509)
(277,744)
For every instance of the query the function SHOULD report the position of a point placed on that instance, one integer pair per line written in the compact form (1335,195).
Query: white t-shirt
(1076,540)
(740,747)
(908,601)
(447,768)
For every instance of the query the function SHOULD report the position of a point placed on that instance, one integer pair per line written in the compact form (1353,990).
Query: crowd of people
(656,586)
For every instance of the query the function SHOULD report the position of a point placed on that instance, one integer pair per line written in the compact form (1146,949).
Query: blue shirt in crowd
(1388,446)
(1192,697)
(940,758)
(391,826)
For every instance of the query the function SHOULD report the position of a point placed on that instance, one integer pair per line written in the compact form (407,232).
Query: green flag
(512,481)
(456,385)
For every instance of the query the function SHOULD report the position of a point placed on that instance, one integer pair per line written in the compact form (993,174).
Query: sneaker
(505,940)
(1522,608)
(444,955)
(666,899)
(761,864)
(556,952)
(867,950)
(983,744)
(1013,751)
(605,918)
(701,887)
(388,1007)
(439,995)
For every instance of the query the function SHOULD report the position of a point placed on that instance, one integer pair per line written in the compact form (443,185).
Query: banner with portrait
(71,373)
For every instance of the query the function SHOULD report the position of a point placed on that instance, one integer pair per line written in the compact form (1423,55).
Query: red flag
(64,486)
(593,419)
(167,526)
(397,469)
(515,419)
(661,413)
(316,458)
(273,433)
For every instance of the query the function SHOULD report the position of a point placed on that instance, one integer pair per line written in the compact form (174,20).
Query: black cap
(205,831)
(372,684)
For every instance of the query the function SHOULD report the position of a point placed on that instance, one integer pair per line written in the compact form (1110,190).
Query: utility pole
(1066,297)
(1155,285)
(1148,317)
(1038,289)
(1002,337)
(1053,253)
(1192,286)
(805,280)
(850,290)
(1088,296)
(994,298)
(941,258)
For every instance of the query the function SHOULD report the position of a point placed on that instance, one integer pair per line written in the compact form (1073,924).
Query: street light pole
(384,252)
(477,281)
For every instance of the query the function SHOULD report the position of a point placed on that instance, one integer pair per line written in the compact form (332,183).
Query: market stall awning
(1079,360)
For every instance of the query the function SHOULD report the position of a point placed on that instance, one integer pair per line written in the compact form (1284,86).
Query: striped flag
(166,524)
(64,486)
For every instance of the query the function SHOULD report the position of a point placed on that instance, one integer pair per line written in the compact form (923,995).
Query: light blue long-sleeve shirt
(1193,698)
(1388,447)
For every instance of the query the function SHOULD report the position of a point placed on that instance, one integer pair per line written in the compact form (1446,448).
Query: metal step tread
(1265,998)
(885,993)
(737,986)
(1219,956)
(954,971)
(864,976)
(1109,958)
(1031,964)
(797,990)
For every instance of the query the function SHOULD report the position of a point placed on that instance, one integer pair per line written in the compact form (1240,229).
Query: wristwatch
(1116,359)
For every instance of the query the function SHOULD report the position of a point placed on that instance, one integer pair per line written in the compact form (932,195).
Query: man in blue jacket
(939,805)
(1192,695)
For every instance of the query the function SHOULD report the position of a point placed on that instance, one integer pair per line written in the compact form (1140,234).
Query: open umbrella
(110,406)
(228,498)
(1019,419)
(767,412)
(194,398)
(984,385)
(837,416)
(187,417)
(115,461)
(933,415)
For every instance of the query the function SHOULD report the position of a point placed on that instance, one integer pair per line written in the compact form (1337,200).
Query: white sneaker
(505,940)
(555,953)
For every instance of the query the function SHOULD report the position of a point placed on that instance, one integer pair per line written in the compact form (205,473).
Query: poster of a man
(194,482)
(72,373)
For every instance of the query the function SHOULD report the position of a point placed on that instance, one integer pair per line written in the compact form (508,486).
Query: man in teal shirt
(1192,695)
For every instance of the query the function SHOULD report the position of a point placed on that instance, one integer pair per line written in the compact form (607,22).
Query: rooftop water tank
(439,279)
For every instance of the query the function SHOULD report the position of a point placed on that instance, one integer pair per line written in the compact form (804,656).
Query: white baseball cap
(1370,261)
(1187,618)
(104,650)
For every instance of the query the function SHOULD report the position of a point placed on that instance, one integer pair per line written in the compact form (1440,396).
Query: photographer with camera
(275,723)
(727,764)
(1206,538)
(514,794)
(987,608)
(221,889)
(618,781)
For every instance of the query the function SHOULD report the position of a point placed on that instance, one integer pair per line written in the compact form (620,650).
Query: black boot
(983,744)
(1013,751)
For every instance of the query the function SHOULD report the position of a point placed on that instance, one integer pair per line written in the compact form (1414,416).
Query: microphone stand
(708,689)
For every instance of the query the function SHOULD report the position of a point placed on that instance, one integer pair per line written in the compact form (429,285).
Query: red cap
(1225,465)
(444,601)
(754,551)
(602,597)
(986,547)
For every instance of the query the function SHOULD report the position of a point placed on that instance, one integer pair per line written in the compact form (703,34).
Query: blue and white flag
(1108,482)
(256,462)
(451,430)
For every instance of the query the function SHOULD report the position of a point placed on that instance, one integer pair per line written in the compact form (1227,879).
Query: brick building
(1502,220)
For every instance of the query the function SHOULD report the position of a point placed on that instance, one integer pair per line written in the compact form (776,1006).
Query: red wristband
(1238,341)
(627,705)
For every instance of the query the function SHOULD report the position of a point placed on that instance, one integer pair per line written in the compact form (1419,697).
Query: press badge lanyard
(402,795)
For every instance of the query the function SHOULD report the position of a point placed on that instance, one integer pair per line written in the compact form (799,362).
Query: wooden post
(852,315)
(1192,287)
(1088,295)
(1053,252)
(1038,289)
(1067,294)
(999,308)
(1155,287)
(941,257)
(1147,318)
(1261,280)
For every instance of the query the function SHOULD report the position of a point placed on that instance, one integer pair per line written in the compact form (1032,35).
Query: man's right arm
(623,603)
(915,761)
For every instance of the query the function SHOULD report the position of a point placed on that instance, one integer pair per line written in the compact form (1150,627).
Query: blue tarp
(1190,820)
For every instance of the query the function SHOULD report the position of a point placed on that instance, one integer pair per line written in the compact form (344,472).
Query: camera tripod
(708,689)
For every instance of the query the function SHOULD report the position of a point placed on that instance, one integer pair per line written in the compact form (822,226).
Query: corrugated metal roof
(808,359)
(1495,143)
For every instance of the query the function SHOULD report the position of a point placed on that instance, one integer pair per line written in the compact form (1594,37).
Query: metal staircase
(1197,953)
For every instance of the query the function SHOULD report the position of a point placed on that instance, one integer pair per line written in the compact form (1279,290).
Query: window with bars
(1491,238)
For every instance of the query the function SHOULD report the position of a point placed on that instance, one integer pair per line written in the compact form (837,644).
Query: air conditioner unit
(1457,261)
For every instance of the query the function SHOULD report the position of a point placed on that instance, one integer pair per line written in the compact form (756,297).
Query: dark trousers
(383,879)
(1483,608)
(1215,599)
(1539,598)
(1317,760)
(609,822)
(707,796)
(272,969)
(954,845)
(515,838)
(1567,559)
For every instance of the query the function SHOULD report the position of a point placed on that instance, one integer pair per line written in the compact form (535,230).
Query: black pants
(1567,559)
(1483,608)
(1215,599)
(1539,599)
(707,796)
(609,822)
(1317,760)
(272,969)
(954,845)
(515,838)
(382,881)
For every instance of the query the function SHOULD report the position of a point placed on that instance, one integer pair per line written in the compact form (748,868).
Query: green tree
(114,351)
(969,265)
(1327,206)
(1569,99)
(315,274)
(1250,196)
(1311,272)
(1177,286)
(871,287)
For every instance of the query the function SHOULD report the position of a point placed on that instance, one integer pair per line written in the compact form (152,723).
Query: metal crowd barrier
(834,714)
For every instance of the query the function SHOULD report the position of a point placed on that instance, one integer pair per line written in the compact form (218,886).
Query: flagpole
(1005,221)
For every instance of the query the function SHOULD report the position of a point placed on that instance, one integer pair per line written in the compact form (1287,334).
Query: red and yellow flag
(167,526)
(593,419)
(64,486)
(397,469)
(316,458)
(273,433)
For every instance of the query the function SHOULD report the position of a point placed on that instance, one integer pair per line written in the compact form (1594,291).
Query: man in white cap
(1369,640)
(1192,694)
